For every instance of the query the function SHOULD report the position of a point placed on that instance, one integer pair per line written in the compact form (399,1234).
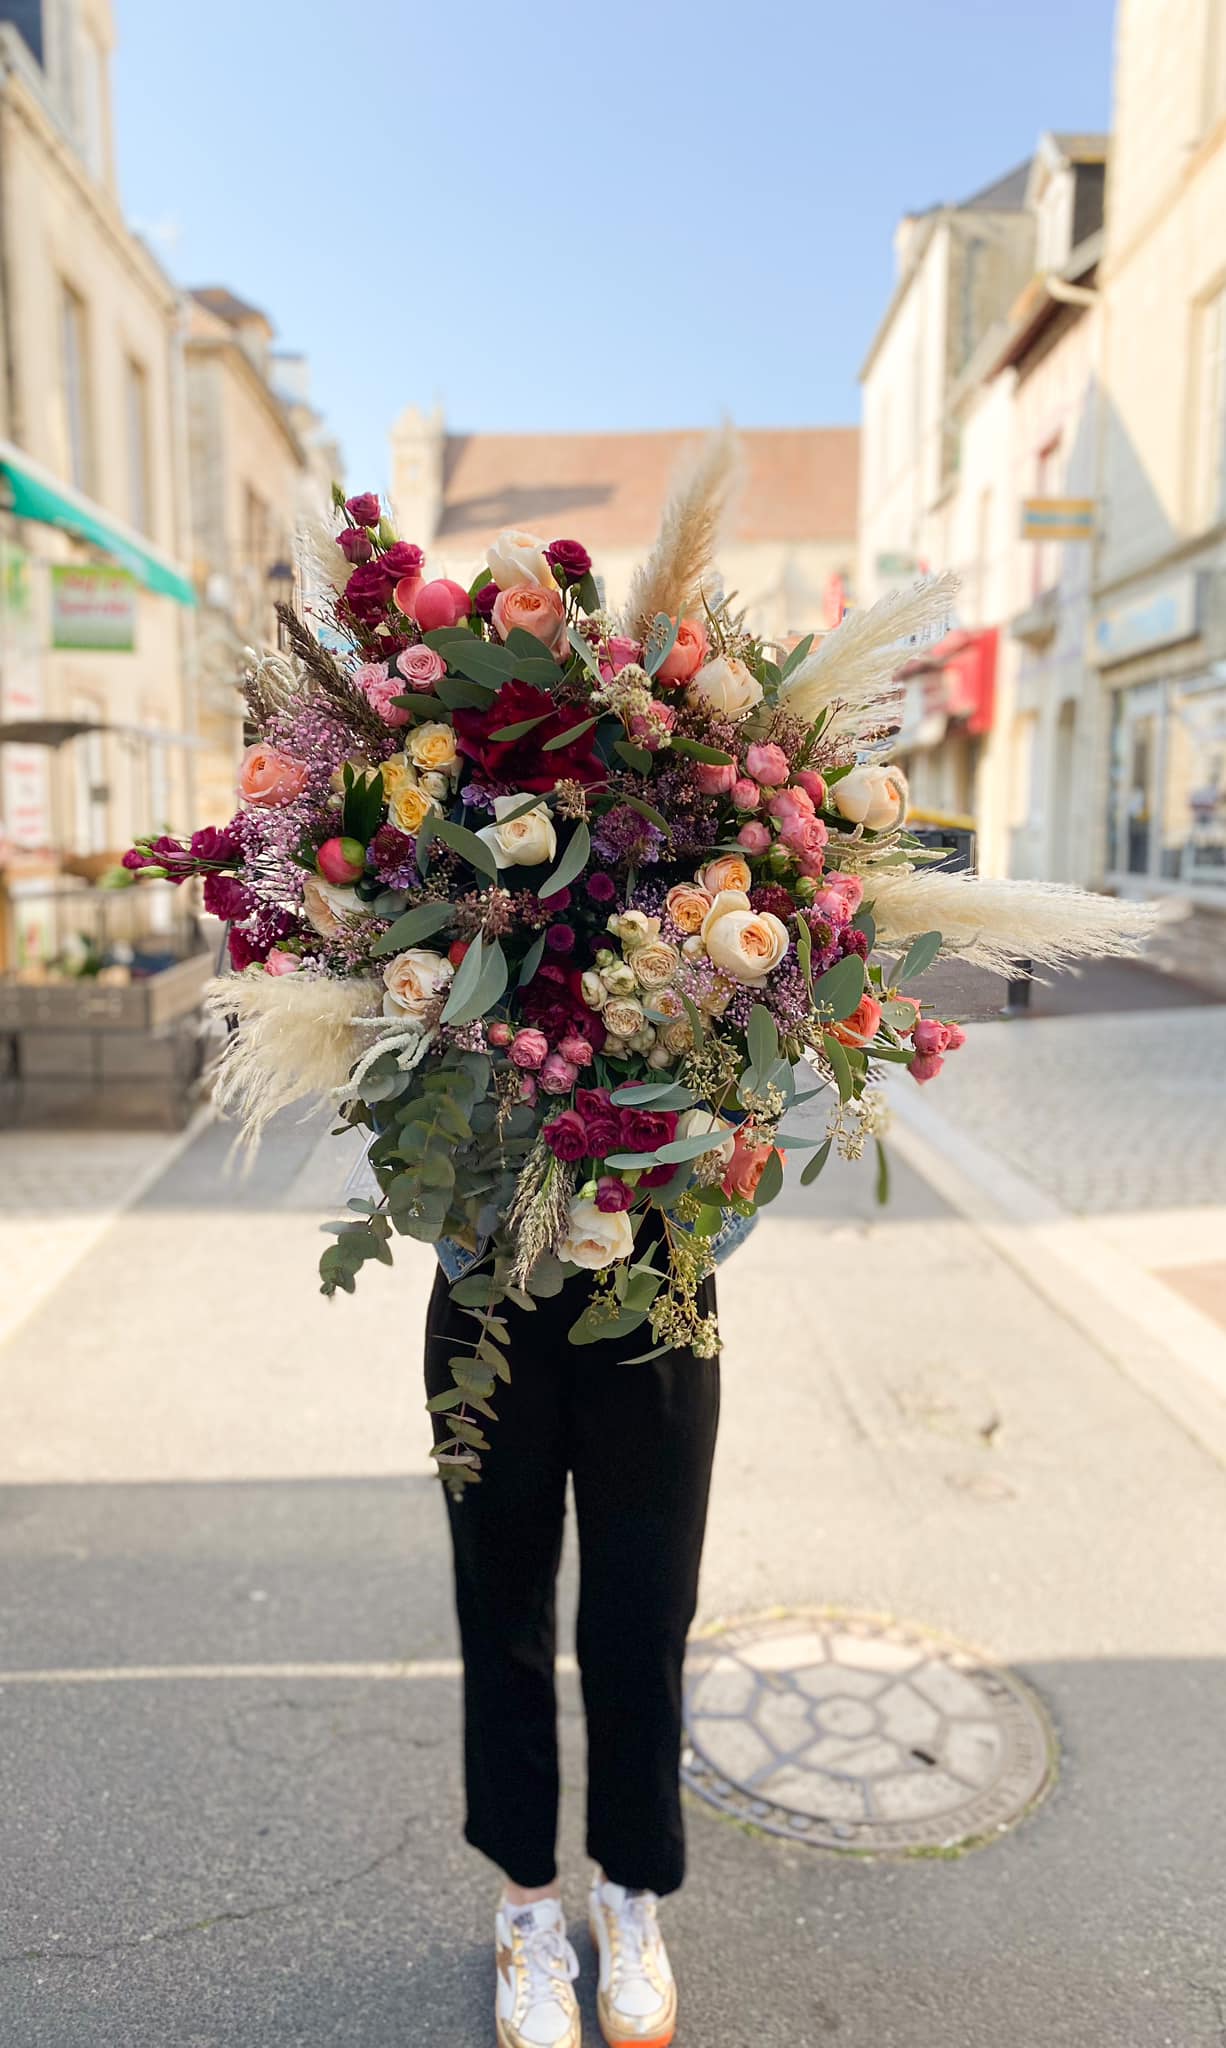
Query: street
(229,1699)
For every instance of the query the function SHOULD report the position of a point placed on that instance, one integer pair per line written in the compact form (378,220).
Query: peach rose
(727,871)
(687,905)
(744,943)
(862,1025)
(686,655)
(267,778)
(329,908)
(748,1166)
(655,964)
(414,980)
(536,611)
(518,558)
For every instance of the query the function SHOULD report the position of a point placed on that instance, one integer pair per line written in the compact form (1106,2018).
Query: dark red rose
(566,1136)
(355,544)
(521,763)
(570,558)
(404,559)
(612,1195)
(364,509)
(225,897)
(553,1003)
(366,593)
(642,1130)
(486,599)
(656,1176)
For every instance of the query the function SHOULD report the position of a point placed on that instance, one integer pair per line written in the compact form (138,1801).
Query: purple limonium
(622,835)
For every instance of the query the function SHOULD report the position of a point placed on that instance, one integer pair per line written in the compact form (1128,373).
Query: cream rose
(518,557)
(633,928)
(655,964)
(694,1123)
(595,1239)
(677,1037)
(432,748)
(593,990)
(874,796)
(623,1016)
(329,908)
(743,942)
(523,842)
(726,687)
(409,805)
(414,980)
(619,978)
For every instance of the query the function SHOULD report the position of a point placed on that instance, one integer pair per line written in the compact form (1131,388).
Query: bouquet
(571,911)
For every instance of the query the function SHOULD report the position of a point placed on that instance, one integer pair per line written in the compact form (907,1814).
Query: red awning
(959,677)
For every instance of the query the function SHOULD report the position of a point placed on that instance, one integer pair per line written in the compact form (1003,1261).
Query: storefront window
(1168,783)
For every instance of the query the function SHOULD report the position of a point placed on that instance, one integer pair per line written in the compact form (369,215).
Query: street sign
(1058,518)
(93,607)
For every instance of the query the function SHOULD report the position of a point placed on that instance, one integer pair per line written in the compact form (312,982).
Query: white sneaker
(534,2005)
(637,1994)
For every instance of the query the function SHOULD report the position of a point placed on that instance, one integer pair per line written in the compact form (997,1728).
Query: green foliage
(480,982)
(362,804)
(661,640)
(797,655)
(815,1165)
(682,744)
(920,955)
(417,924)
(836,1053)
(837,992)
(466,843)
(574,859)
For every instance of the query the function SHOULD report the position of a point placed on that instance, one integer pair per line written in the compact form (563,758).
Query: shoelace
(551,1963)
(639,1929)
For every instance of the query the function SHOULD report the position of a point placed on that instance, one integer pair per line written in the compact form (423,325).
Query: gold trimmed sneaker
(534,2004)
(637,1995)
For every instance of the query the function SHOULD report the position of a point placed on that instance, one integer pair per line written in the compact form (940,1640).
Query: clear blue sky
(611,213)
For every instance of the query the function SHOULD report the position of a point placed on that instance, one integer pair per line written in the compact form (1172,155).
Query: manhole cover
(858,1734)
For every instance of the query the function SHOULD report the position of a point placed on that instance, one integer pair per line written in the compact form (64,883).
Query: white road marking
(147,1674)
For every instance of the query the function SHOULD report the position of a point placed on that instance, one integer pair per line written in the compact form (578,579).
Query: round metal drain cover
(858,1734)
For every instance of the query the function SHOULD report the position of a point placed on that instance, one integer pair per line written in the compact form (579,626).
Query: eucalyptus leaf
(585,651)
(565,739)
(416,924)
(650,1091)
(840,988)
(504,733)
(696,751)
(481,661)
(882,1189)
(649,811)
(840,1066)
(532,960)
(920,955)
(634,757)
(762,1037)
(574,859)
(770,1182)
(462,841)
(457,691)
(661,640)
(796,656)
(816,1164)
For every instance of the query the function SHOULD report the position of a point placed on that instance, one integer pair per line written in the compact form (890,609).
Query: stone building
(789,555)
(1159,626)
(96,718)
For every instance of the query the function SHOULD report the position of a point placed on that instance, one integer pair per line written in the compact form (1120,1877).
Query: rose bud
(355,544)
(754,837)
(486,599)
(341,860)
(745,794)
(714,779)
(926,1066)
(931,1036)
(499,1034)
(568,559)
(364,509)
(957,1037)
(441,603)
(456,950)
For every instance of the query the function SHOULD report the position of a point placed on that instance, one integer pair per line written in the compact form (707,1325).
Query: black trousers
(638,1440)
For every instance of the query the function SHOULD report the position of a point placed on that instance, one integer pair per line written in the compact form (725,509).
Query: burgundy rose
(612,1195)
(404,559)
(366,593)
(656,1176)
(521,763)
(355,544)
(570,558)
(601,887)
(553,1002)
(134,859)
(364,509)
(225,897)
(642,1130)
(604,1123)
(566,1136)
(486,599)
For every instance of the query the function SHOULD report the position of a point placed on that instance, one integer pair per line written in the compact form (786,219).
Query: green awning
(35,495)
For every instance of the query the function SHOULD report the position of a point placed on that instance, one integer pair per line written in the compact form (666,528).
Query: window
(136,417)
(74,374)
(1210,432)
(256,531)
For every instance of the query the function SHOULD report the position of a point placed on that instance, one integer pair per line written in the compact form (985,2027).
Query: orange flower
(686,655)
(536,611)
(862,1026)
(687,905)
(747,1168)
(729,871)
(267,778)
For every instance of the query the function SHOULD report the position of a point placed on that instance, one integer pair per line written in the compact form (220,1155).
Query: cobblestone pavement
(1106,1114)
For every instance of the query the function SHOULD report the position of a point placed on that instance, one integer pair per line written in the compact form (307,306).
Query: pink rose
(355,545)
(754,837)
(931,1036)
(714,780)
(364,509)
(421,667)
(558,1074)
(380,689)
(745,794)
(957,1037)
(686,655)
(839,897)
(621,652)
(527,1088)
(649,727)
(576,1050)
(926,1066)
(281,963)
(803,834)
(813,785)
(790,803)
(811,863)
(442,603)
(529,1048)
(767,763)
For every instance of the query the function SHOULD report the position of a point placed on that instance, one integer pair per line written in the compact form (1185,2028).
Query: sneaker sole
(504,2040)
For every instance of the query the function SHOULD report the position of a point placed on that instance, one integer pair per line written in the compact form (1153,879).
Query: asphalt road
(232,1859)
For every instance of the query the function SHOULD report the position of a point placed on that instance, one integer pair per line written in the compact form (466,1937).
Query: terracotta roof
(608,490)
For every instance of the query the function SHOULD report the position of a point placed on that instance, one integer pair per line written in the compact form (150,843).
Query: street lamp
(280,582)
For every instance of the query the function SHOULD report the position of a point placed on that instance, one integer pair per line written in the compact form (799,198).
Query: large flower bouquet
(571,911)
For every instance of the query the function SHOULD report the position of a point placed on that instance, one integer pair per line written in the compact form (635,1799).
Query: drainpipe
(1069,294)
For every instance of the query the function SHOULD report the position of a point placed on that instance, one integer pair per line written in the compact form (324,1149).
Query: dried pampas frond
(298,1036)
(854,667)
(321,565)
(270,684)
(671,579)
(996,924)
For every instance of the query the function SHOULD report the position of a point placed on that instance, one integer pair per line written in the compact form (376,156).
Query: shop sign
(896,564)
(93,607)
(1168,613)
(1058,518)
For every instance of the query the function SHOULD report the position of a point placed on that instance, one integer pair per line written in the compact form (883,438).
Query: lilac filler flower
(622,835)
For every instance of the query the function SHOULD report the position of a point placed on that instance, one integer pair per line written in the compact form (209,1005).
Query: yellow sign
(1058,518)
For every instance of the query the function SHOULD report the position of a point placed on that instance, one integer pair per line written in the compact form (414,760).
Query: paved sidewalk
(229,1701)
